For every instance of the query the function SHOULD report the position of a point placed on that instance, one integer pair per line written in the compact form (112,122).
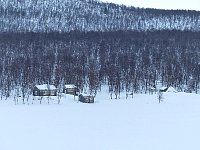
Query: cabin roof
(163,88)
(86,94)
(70,86)
(46,87)
(171,89)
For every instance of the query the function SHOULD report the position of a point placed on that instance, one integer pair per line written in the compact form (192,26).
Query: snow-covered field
(140,123)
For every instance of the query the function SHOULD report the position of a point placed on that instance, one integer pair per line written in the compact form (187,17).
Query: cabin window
(35,92)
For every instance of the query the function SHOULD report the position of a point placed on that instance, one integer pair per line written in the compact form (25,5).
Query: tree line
(128,61)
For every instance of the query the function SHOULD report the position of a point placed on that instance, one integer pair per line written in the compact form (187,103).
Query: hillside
(121,55)
(89,15)
(90,44)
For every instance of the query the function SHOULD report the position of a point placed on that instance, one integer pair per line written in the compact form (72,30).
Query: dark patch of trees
(124,60)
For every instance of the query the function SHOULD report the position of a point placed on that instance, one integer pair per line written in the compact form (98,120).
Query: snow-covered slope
(89,15)
(139,123)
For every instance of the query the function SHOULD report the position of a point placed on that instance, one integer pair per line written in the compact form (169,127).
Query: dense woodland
(129,61)
(90,44)
(89,15)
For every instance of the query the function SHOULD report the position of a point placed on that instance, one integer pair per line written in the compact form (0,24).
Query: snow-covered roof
(46,87)
(86,94)
(163,88)
(152,88)
(171,89)
(70,86)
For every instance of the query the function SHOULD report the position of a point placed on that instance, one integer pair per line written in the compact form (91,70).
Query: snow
(46,87)
(163,88)
(152,88)
(171,89)
(87,94)
(70,86)
(139,123)
(159,4)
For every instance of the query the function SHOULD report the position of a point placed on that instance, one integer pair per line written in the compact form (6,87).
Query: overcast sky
(163,4)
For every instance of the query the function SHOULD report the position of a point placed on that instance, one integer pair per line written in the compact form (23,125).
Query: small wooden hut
(71,89)
(86,99)
(45,90)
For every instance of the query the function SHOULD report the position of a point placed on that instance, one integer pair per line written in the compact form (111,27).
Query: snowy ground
(140,123)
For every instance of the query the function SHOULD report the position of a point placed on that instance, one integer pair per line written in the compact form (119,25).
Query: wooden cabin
(71,89)
(86,99)
(45,90)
